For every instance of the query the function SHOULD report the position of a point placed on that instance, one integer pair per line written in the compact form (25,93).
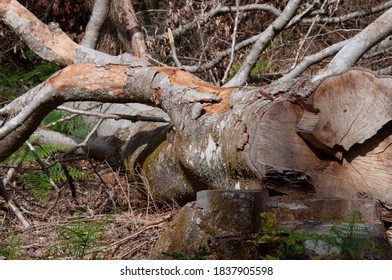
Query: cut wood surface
(351,107)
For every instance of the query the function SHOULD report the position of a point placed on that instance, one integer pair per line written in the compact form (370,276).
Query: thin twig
(13,206)
(10,174)
(70,110)
(84,143)
(233,42)
(120,242)
(133,118)
(303,40)
(173,48)
(47,173)
(219,8)
(354,15)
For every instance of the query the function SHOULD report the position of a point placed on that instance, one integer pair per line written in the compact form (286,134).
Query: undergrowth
(10,248)
(77,238)
(349,239)
(66,123)
(38,180)
(30,70)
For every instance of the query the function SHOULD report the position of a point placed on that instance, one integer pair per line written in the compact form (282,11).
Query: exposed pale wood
(352,107)
(365,171)
(276,145)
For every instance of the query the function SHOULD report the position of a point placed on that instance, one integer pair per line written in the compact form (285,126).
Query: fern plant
(28,72)
(37,181)
(351,238)
(10,248)
(78,237)
(67,123)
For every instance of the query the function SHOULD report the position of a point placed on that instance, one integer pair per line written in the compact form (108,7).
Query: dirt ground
(109,218)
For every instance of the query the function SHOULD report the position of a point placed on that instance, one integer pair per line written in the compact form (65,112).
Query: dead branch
(218,9)
(262,42)
(309,60)
(350,16)
(173,48)
(45,169)
(359,45)
(132,118)
(13,206)
(233,43)
(129,29)
(98,16)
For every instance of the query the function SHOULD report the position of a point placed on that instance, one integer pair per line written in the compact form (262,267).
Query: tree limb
(51,44)
(359,45)
(350,16)
(129,28)
(97,18)
(219,8)
(233,43)
(262,42)
(312,59)
(115,116)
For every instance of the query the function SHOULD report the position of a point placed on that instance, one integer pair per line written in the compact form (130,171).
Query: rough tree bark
(329,139)
(98,16)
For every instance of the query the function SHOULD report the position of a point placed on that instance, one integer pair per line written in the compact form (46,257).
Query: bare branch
(302,41)
(219,8)
(199,20)
(47,173)
(385,71)
(98,16)
(173,48)
(298,18)
(380,48)
(262,42)
(251,7)
(233,43)
(359,45)
(220,56)
(313,59)
(85,141)
(10,202)
(133,118)
(128,27)
(350,16)
(49,43)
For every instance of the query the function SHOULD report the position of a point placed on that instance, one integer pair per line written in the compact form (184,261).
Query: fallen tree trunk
(332,140)
(327,139)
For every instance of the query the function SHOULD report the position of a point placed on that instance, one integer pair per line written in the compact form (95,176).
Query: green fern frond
(38,185)
(26,155)
(64,122)
(57,173)
(46,150)
(77,174)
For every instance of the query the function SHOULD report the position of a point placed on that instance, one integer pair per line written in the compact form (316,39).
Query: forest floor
(109,218)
